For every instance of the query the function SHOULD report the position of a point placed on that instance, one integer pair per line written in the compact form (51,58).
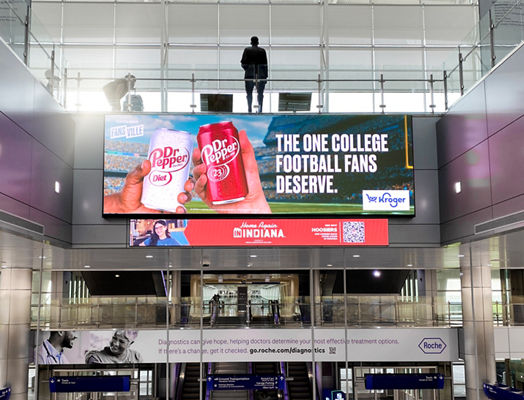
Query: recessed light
(4,266)
(253,256)
(329,265)
(409,265)
(377,273)
(249,264)
(356,255)
(170,265)
(461,256)
(57,187)
(458,187)
(41,257)
(149,256)
(87,266)
(117,276)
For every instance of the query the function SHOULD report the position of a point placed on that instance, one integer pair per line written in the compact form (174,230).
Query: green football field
(197,207)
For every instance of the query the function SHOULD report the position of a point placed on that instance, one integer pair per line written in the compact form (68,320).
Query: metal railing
(150,312)
(453,76)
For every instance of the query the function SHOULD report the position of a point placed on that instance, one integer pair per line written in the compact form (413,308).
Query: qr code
(353,232)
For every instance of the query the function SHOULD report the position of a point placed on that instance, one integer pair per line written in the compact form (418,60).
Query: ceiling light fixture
(87,266)
(253,256)
(149,256)
(356,255)
(377,273)
(117,276)
(458,187)
(57,187)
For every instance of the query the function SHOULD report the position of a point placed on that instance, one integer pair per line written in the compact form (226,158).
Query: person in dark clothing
(254,63)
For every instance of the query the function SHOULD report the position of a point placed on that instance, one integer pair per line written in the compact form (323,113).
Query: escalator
(298,381)
(190,387)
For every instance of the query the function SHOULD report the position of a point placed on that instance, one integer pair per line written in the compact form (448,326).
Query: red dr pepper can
(220,150)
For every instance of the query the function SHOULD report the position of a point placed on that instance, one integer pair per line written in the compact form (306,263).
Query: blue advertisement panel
(75,384)
(5,393)
(245,382)
(242,164)
(404,381)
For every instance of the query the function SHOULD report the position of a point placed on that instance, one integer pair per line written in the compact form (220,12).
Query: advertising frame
(409,164)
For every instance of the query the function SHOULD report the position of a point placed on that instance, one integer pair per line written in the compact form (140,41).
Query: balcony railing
(497,34)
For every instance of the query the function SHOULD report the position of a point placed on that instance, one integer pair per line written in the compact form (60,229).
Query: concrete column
(15,314)
(479,346)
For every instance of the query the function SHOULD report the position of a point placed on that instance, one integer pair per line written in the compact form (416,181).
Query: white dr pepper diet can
(170,156)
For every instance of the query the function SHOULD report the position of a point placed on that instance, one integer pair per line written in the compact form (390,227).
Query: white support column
(15,314)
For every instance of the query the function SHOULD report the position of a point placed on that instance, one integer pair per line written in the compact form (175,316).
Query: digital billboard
(241,164)
(258,232)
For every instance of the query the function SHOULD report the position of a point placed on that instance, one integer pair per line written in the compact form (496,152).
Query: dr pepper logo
(220,151)
(164,161)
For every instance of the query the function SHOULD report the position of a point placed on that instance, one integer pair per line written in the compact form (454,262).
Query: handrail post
(461,73)
(382,105)
(445,80)
(432,94)
(26,35)
(65,87)
(319,84)
(78,91)
(128,77)
(492,40)
(52,77)
(192,105)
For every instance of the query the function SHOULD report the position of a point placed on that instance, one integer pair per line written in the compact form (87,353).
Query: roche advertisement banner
(245,345)
(257,232)
(258,164)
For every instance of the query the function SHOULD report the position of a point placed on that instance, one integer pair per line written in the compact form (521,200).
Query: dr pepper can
(220,150)
(170,157)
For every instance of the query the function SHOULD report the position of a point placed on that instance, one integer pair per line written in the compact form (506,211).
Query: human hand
(128,200)
(255,201)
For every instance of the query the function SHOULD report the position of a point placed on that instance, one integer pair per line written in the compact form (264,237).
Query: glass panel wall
(349,44)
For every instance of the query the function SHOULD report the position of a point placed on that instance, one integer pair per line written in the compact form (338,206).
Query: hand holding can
(254,202)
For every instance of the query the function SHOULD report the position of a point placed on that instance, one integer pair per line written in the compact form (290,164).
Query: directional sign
(404,381)
(245,382)
(432,345)
(75,384)
(5,393)
(502,392)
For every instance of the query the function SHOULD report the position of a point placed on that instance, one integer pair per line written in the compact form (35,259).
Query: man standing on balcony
(254,63)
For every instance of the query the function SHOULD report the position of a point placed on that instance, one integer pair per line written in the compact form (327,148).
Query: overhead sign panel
(238,164)
(76,384)
(257,232)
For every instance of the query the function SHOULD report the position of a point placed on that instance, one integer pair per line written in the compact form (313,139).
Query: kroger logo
(432,345)
(385,200)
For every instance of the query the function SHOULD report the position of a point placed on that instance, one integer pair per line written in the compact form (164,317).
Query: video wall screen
(258,232)
(240,164)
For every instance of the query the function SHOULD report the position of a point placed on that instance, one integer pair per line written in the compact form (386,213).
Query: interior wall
(36,149)
(480,145)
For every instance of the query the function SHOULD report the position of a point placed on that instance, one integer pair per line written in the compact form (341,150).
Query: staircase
(191,388)
(299,388)
(230,368)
